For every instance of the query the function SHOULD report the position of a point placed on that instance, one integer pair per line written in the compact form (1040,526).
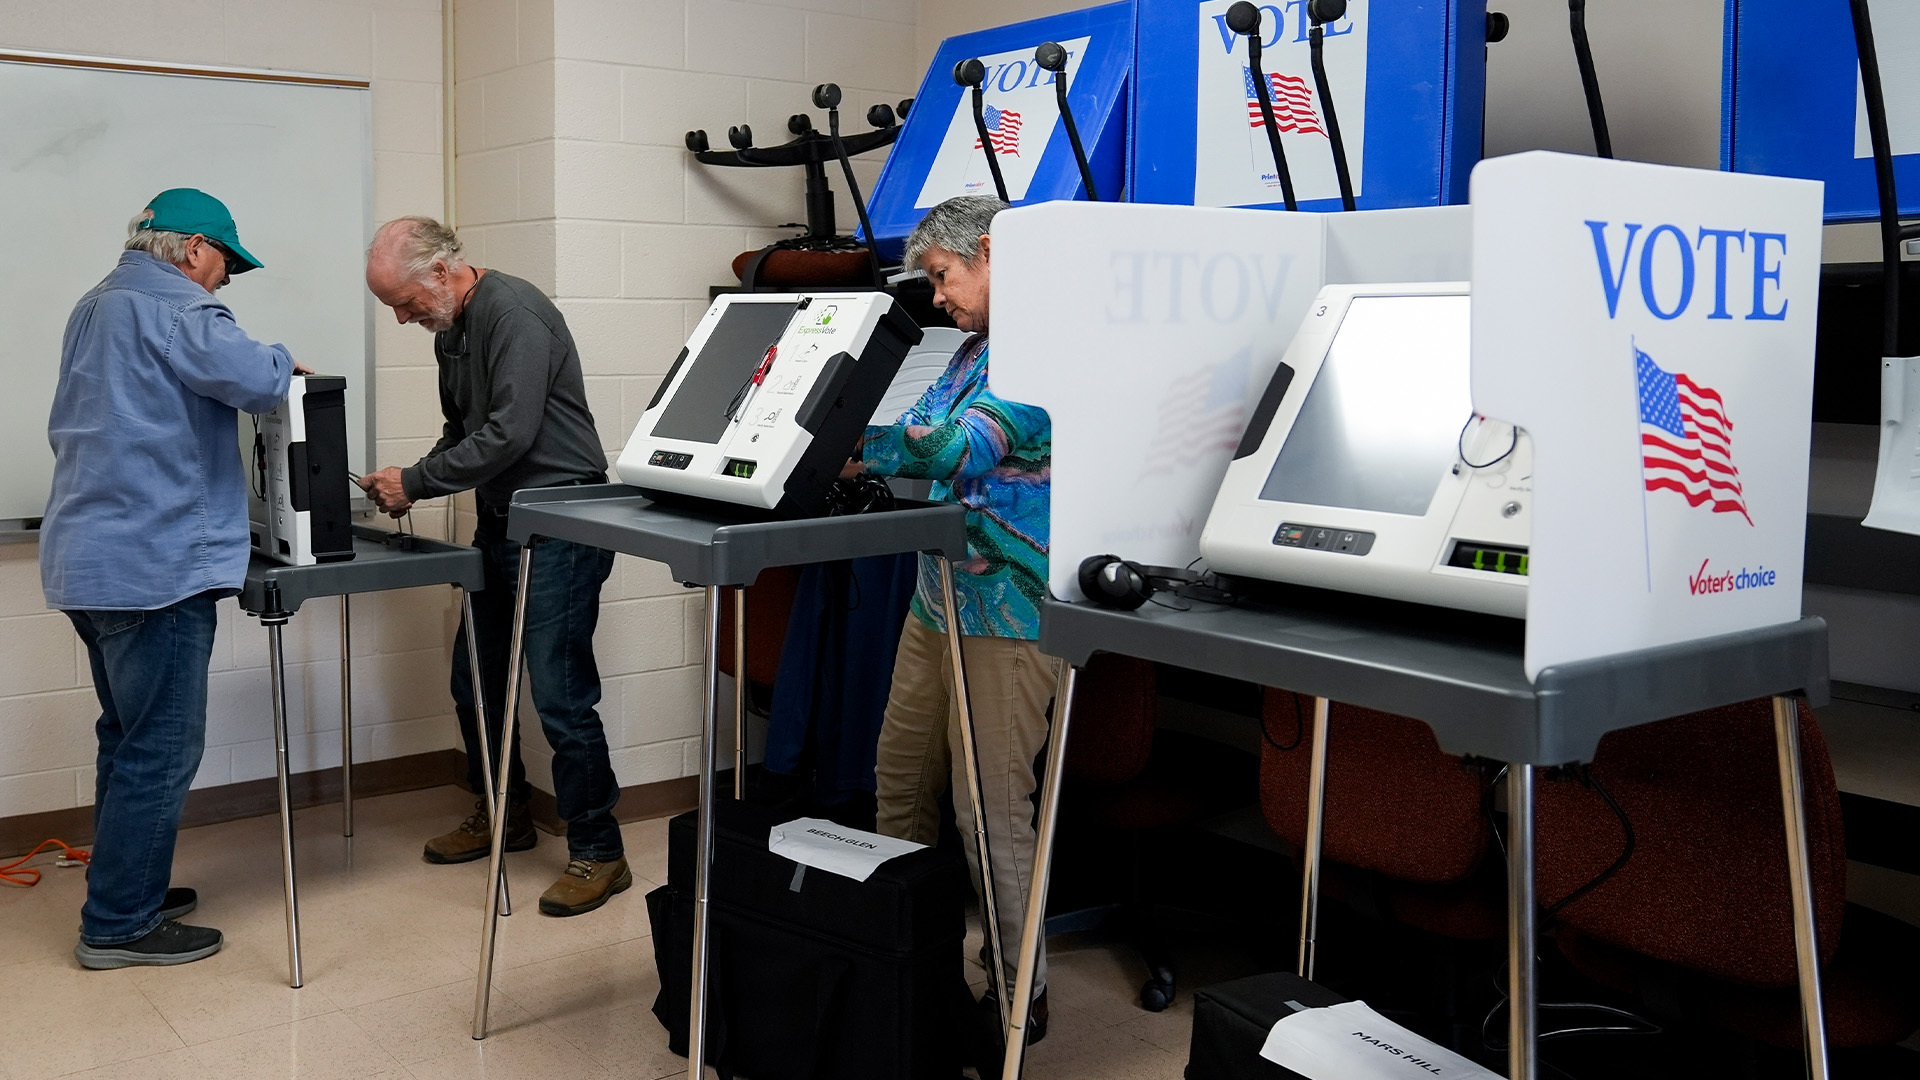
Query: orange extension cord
(12,874)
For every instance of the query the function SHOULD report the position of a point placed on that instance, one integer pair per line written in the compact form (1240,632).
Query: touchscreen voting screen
(1382,423)
(698,411)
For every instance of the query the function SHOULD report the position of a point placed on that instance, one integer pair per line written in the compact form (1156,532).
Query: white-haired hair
(955,225)
(165,246)
(417,242)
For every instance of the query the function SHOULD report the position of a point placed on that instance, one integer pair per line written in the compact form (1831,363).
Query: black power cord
(1589,79)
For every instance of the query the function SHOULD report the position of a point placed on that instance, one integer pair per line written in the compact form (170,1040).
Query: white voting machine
(765,402)
(1365,469)
(301,505)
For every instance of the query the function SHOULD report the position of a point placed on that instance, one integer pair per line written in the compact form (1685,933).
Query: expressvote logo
(1707,581)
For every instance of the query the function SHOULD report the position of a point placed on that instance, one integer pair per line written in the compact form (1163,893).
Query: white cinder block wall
(573,173)
(400,641)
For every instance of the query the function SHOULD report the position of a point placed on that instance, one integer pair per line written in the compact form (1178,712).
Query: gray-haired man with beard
(516,415)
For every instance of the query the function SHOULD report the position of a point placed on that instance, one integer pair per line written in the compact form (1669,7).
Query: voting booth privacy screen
(1365,469)
(1188,310)
(763,405)
(1408,79)
(1652,330)
(938,155)
(1792,103)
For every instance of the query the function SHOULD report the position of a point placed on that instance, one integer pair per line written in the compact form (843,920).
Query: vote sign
(939,155)
(1407,80)
(1652,328)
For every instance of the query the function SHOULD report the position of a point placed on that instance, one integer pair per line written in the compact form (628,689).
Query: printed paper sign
(1233,163)
(1896,39)
(1896,481)
(838,850)
(1652,328)
(1021,111)
(1350,1041)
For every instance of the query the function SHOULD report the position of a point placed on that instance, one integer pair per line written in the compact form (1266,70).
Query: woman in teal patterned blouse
(995,458)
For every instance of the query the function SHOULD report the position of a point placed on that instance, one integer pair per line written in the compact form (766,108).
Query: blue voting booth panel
(1791,103)
(937,155)
(1408,81)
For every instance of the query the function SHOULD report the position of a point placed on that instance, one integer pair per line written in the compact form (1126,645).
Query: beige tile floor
(390,946)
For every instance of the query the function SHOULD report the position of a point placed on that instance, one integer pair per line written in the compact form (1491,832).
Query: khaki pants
(1009,682)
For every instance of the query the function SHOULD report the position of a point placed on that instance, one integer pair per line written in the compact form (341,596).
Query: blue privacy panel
(1408,79)
(937,155)
(1791,105)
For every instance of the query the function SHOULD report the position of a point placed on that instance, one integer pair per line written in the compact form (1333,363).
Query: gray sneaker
(168,943)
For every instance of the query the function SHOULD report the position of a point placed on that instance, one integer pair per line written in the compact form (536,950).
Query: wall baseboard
(257,798)
(249,798)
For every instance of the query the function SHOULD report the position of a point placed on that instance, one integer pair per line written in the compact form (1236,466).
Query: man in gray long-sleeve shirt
(516,417)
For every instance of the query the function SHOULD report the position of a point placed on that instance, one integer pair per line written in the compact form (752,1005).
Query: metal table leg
(989,908)
(1033,927)
(1522,969)
(1310,852)
(703,845)
(277,669)
(490,926)
(1786,733)
(480,722)
(739,692)
(346,717)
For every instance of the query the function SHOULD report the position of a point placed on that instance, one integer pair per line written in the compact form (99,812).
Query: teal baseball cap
(190,210)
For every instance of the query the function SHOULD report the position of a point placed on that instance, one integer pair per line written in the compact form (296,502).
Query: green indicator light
(1479,560)
(1523,564)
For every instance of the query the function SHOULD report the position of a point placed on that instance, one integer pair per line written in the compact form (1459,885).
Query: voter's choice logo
(1233,162)
(1021,114)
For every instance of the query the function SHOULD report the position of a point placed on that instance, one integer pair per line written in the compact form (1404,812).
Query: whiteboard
(84,146)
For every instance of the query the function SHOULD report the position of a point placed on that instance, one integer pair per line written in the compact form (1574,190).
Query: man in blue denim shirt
(145,530)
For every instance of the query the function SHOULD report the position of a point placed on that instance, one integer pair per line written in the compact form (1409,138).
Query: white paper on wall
(1896,41)
(1652,328)
(1896,480)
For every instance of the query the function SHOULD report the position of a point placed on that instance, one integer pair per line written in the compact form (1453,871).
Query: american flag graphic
(1003,127)
(1201,415)
(1686,440)
(1292,103)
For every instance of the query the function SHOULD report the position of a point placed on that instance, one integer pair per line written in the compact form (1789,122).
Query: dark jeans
(150,673)
(563,606)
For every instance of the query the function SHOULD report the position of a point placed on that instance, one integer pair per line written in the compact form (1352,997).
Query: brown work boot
(473,840)
(585,886)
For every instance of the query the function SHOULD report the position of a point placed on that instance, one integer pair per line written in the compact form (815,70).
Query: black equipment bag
(811,975)
(1231,1021)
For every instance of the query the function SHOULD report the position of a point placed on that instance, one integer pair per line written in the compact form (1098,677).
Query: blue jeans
(150,673)
(563,607)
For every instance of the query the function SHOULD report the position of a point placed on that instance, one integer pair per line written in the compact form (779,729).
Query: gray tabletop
(713,545)
(1460,673)
(381,560)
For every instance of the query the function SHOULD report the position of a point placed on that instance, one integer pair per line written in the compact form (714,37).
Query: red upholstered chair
(769,604)
(1127,785)
(1396,805)
(1698,920)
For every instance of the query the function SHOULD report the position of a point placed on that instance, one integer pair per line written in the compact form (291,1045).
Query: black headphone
(1112,582)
